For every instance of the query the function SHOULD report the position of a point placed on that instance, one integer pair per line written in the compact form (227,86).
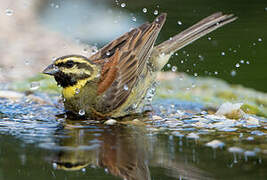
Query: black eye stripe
(70,79)
(69,64)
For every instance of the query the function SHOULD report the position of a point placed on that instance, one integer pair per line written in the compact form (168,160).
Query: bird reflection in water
(122,150)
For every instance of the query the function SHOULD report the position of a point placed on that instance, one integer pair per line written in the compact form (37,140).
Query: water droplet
(125,87)
(35,85)
(247,62)
(237,65)
(260,39)
(94,50)
(27,62)
(134,106)
(9,12)
(179,23)
(77,91)
(83,170)
(162,54)
(216,72)
(98,75)
(223,53)
(176,54)
(242,61)
(134,19)
(55,68)
(150,94)
(195,74)
(81,112)
(145,10)
(168,65)
(54,165)
(174,68)
(233,73)
(85,49)
(123,5)
(182,61)
(107,53)
(156,12)
(201,58)
(209,38)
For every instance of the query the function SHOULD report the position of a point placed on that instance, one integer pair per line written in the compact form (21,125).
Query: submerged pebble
(155,117)
(215,144)
(231,111)
(192,136)
(250,153)
(35,85)
(235,150)
(110,122)
(10,94)
(258,133)
(251,121)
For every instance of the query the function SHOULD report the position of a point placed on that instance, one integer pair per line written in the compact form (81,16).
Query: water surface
(37,142)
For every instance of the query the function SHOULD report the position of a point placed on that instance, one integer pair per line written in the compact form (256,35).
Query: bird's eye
(69,64)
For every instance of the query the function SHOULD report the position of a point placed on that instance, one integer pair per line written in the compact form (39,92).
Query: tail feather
(191,34)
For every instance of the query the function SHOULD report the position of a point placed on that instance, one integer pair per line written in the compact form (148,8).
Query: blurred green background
(236,52)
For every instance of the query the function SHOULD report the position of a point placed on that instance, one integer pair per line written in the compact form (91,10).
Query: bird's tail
(203,27)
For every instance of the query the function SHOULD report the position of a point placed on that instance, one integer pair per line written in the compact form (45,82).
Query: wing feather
(125,61)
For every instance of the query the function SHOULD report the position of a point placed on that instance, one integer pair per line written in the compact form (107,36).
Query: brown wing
(124,59)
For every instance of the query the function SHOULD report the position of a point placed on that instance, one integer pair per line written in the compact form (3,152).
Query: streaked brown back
(124,59)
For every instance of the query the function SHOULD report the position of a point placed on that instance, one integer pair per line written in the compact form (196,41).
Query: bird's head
(69,71)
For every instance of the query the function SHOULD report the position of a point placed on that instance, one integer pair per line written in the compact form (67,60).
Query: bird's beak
(51,70)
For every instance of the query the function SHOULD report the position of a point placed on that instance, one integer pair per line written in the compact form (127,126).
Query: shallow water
(36,142)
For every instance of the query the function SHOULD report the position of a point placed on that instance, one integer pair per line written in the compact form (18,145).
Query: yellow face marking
(74,59)
(70,91)
(75,70)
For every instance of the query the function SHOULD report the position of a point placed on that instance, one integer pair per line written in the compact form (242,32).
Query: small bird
(118,80)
